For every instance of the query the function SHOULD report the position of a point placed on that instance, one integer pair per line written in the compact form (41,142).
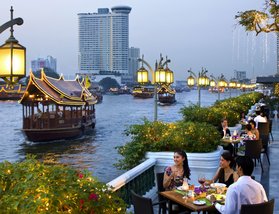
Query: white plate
(215,185)
(199,202)
(180,188)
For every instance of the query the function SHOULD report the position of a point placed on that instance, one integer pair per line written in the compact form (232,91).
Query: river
(96,152)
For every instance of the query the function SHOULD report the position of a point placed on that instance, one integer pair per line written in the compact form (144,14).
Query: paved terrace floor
(270,177)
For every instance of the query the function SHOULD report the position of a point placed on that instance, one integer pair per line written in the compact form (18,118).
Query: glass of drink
(201,180)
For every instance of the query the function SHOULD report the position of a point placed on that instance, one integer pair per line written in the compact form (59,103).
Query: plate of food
(199,202)
(219,197)
(217,185)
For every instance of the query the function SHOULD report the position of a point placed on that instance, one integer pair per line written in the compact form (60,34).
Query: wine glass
(201,180)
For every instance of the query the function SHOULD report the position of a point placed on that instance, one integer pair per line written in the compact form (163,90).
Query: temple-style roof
(60,91)
(166,89)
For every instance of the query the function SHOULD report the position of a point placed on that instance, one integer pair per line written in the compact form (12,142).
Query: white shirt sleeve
(231,203)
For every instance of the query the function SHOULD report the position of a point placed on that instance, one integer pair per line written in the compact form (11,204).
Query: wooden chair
(162,201)
(160,188)
(262,208)
(253,150)
(264,136)
(141,204)
(270,130)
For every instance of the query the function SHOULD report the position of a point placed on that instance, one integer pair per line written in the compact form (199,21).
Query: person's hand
(212,199)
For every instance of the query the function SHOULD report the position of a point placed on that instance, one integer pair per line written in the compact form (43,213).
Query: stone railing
(141,179)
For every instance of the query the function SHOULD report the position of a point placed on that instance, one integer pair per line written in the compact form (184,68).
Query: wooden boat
(166,95)
(55,109)
(215,90)
(143,92)
(15,93)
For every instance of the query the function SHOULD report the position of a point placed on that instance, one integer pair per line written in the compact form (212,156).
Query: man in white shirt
(244,191)
(259,118)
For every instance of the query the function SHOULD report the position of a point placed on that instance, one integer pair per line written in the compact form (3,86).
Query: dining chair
(160,188)
(253,150)
(162,201)
(270,130)
(265,207)
(264,136)
(141,204)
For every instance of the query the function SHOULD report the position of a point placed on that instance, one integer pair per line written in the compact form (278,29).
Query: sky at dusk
(193,34)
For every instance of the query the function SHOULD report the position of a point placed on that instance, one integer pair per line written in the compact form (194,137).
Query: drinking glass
(201,180)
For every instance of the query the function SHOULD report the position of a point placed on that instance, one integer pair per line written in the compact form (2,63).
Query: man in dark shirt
(225,132)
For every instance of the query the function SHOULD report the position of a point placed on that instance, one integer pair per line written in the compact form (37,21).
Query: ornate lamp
(142,75)
(161,75)
(212,83)
(169,77)
(222,83)
(232,83)
(12,55)
(191,81)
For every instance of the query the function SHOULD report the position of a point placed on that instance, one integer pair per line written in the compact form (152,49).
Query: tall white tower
(104,40)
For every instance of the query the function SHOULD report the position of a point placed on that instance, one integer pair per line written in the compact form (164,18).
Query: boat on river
(166,95)
(11,93)
(56,109)
(143,92)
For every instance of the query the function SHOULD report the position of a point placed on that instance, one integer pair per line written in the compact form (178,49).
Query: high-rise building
(104,40)
(134,54)
(39,63)
(240,75)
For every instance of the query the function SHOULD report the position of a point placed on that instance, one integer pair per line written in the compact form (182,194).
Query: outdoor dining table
(235,142)
(176,197)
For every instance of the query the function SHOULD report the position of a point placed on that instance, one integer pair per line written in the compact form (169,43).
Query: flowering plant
(33,187)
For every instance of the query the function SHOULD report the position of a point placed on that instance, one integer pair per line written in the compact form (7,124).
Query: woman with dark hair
(254,130)
(225,173)
(174,174)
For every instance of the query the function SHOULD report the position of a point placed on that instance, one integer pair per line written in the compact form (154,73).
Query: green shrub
(229,108)
(158,136)
(32,187)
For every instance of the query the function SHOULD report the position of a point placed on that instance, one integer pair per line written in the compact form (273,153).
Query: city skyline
(192,34)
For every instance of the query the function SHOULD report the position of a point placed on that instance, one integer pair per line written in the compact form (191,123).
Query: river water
(96,152)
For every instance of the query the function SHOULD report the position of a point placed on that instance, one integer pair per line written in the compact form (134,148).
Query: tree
(108,83)
(261,21)
(48,71)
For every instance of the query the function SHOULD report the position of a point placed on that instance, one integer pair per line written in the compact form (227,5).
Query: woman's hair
(248,127)
(186,168)
(253,122)
(228,157)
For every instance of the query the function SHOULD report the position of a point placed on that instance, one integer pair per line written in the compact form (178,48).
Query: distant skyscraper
(39,63)
(240,75)
(104,40)
(134,54)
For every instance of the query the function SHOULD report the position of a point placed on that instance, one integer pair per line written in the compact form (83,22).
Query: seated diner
(174,174)
(244,191)
(225,173)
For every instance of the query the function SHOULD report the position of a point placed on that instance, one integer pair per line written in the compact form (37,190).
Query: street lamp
(220,82)
(202,81)
(159,76)
(12,55)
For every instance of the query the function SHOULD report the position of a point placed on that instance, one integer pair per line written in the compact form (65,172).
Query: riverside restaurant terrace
(142,178)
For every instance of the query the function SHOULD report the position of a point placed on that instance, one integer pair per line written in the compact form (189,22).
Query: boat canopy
(59,91)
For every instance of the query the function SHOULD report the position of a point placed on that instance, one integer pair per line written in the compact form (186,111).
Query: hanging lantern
(191,81)
(169,76)
(212,83)
(160,76)
(12,56)
(142,75)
